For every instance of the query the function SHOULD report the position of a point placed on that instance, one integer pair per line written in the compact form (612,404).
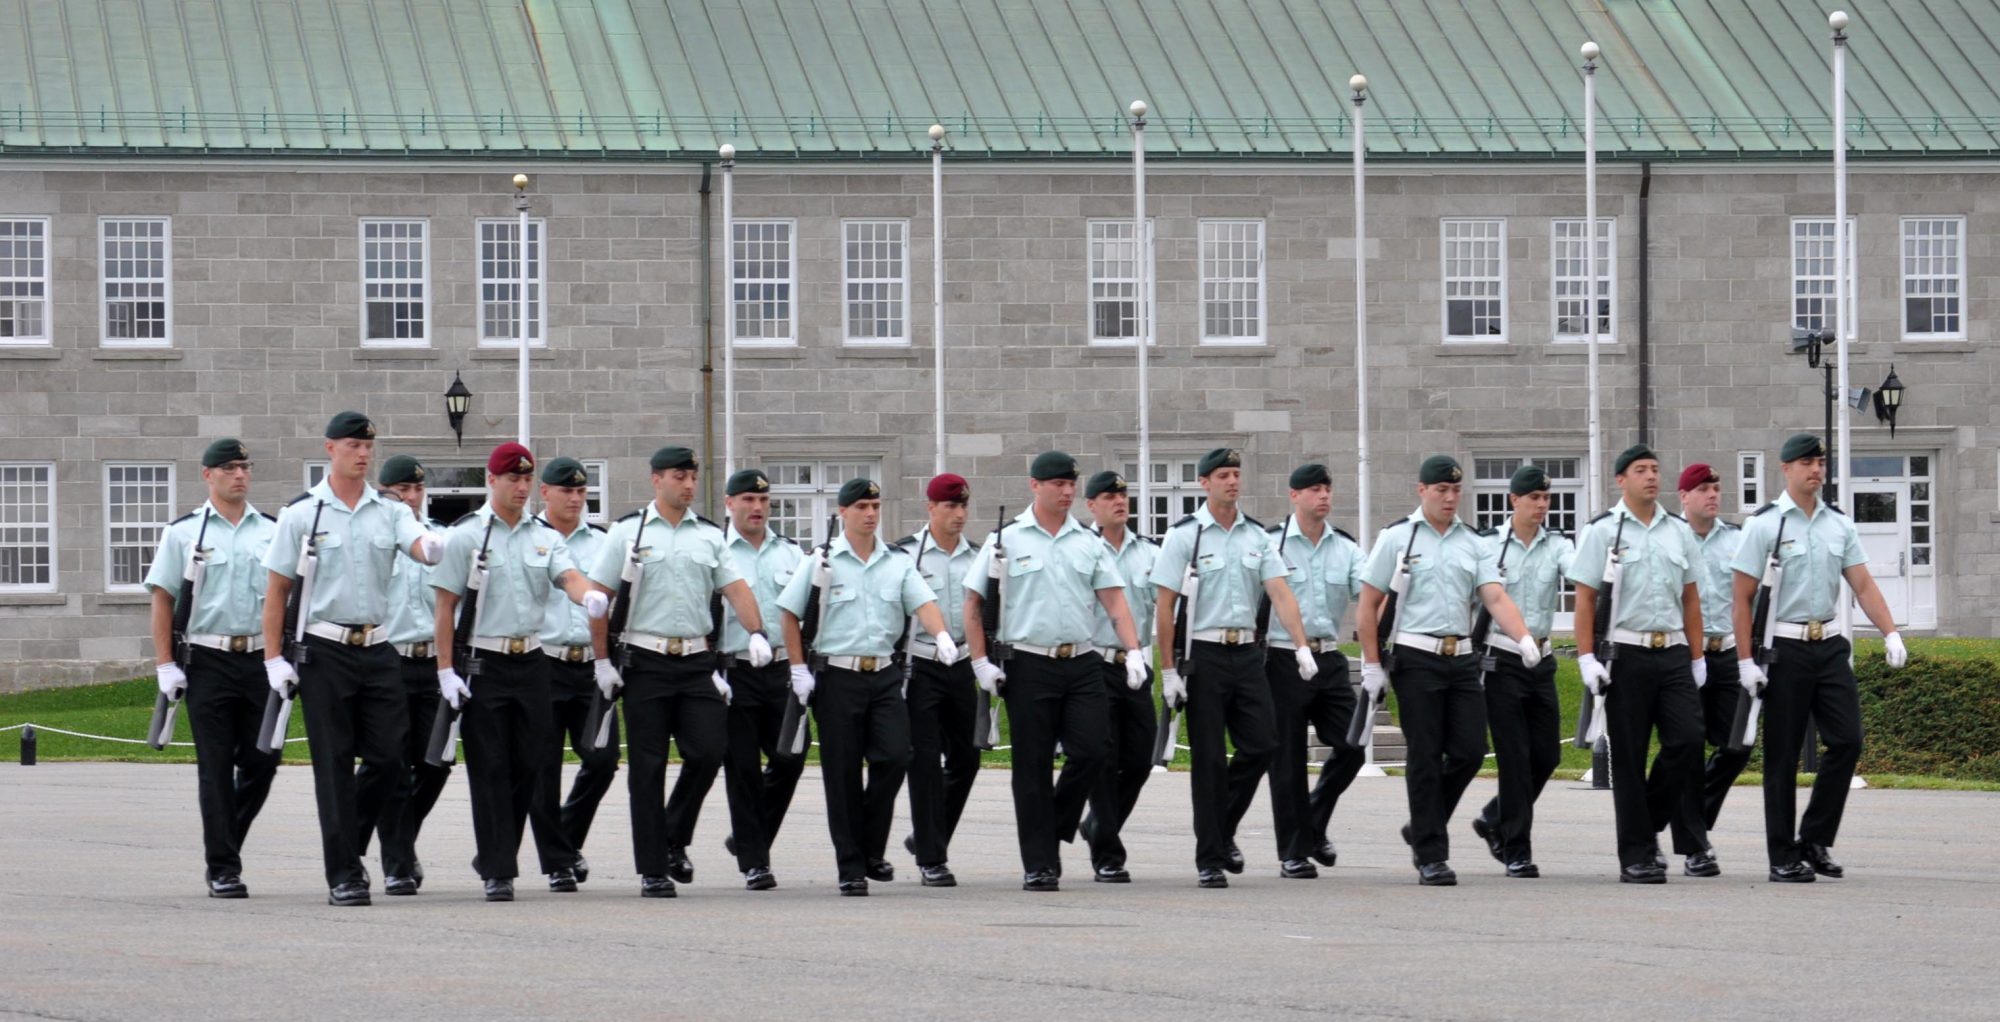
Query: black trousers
(1300,817)
(419,784)
(1443,715)
(669,700)
(355,708)
(861,719)
(1703,802)
(1651,689)
(1133,726)
(943,760)
(506,726)
(1228,699)
(1051,701)
(1525,717)
(758,781)
(225,706)
(571,686)
(1808,680)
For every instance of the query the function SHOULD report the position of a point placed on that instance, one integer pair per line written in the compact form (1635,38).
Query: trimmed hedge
(1938,716)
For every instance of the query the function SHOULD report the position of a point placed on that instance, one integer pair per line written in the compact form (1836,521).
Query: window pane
(762,262)
(500,282)
(393,285)
(875,275)
(27,528)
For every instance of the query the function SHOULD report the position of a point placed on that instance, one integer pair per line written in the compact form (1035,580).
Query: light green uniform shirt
(1446,571)
(867,602)
(524,564)
(357,552)
(1713,577)
(231,600)
(1233,567)
(945,572)
(769,570)
(1135,562)
(566,624)
(1660,558)
(1325,576)
(1816,551)
(1049,596)
(1534,573)
(684,565)
(412,601)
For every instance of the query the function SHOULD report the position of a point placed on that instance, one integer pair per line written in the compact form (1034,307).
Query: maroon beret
(1695,475)
(509,459)
(948,488)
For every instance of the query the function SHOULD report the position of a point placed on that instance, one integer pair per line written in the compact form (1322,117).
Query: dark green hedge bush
(1937,716)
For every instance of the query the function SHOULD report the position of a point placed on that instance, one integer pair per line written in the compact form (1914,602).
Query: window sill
(396,354)
(1901,347)
(29,351)
(1121,353)
(766,351)
(1579,349)
(892,352)
(1483,349)
(499,354)
(1250,351)
(137,355)
(33,600)
(94,601)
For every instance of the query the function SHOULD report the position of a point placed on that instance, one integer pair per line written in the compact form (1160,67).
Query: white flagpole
(937,280)
(1838,22)
(728,154)
(1141,250)
(1359,83)
(521,207)
(1594,474)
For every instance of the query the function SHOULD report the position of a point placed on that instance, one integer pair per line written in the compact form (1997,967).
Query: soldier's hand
(947,649)
(279,675)
(1308,664)
(608,681)
(989,675)
(596,605)
(430,547)
(1173,688)
(1596,676)
(1373,680)
(1700,673)
(760,650)
(1750,676)
(722,686)
(173,681)
(1531,651)
(453,688)
(1894,651)
(802,682)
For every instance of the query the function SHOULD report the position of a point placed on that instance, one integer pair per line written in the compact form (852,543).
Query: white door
(1881,515)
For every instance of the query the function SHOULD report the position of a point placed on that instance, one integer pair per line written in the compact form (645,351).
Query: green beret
(674,457)
(1804,445)
(1221,457)
(565,472)
(1102,483)
(1439,468)
(224,451)
(859,489)
(750,480)
(401,469)
(1636,452)
(1308,476)
(1052,465)
(350,425)
(1528,479)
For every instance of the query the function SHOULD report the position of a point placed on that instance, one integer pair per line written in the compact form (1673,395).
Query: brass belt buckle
(1065,651)
(1656,640)
(355,637)
(1815,630)
(1230,636)
(239,644)
(1712,646)
(1448,646)
(515,646)
(574,654)
(867,664)
(674,647)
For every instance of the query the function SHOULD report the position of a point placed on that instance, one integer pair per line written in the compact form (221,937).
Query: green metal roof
(852,79)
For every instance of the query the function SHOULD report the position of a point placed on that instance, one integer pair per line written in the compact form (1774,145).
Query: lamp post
(1142,321)
(728,155)
(1359,83)
(521,308)
(937,280)
(1594,473)
(457,401)
(1888,398)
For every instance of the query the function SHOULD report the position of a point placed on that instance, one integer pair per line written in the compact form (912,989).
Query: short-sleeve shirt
(1534,573)
(1325,576)
(412,601)
(768,569)
(682,566)
(945,572)
(1658,558)
(1135,562)
(1816,550)
(1232,568)
(231,600)
(1714,578)
(358,548)
(868,602)
(524,564)
(566,624)
(1049,594)
(1446,570)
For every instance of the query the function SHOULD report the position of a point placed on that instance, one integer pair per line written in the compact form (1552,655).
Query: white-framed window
(24,280)
(1114,282)
(137,269)
(766,274)
(1933,278)
(395,283)
(315,472)
(1490,506)
(138,503)
(500,284)
(804,492)
(27,527)
(1750,479)
(1813,255)
(1569,279)
(1173,488)
(1474,257)
(1232,282)
(594,472)
(875,281)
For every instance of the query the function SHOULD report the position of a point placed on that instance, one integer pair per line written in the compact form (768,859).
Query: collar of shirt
(581,527)
(1326,533)
(926,543)
(1068,526)
(527,521)
(1507,530)
(1418,518)
(731,537)
(250,514)
(1716,531)
(842,546)
(1660,515)
(323,490)
(1786,505)
(1207,519)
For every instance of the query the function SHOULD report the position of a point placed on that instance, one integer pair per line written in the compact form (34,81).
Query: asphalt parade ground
(103,915)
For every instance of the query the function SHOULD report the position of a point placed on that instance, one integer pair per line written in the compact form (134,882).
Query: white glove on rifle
(453,688)
(802,682)
(608,681)
(1373,680)
(279,674)
(1531,651)
(759,653)
(596,605)
(1596,676)
(1308,667)
(989,675)
(722,686)
(1894,650)
(173,681)
(1700,673)
(430,547)
(1172,688)
(1749,675)
(947,649)
(1135,669)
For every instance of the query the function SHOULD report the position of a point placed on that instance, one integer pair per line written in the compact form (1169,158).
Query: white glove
(173,681)
(1531,651)
(279,674)
(453,688)
(1596,676)
(1894,650)
(947,649)
(1700,672)
(1172,688)
(596,605)
(722,686)
(430,547)
(760,650)
(1749,675)
(1135,669)
(1373,680)
(608,681)
(802,682)
(989,675)
(1308,666)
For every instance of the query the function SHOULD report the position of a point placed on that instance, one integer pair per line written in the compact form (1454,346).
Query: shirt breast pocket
(536,565)
(840,593)
(1208,564)
(1020,566)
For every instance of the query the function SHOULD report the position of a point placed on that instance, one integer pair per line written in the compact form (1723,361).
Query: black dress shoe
(759,878)
(729,844)
(1491,835)
(1112,875)
(1659,858)
(498,889)
(680,868)
(228,885)
(401,887)
(582,871)
(1298,869)
(1325,854)
(1701,864)
(1821,861)
(1436,874)
(656,887)
(1040,880)
(1234,863)
(355,893)
(854,888)
(1643,873)
(1088,828)
(1524,869)
(910,844)
(1799,872)
(562,881)
(881,871)
(937,875)
(1211,878)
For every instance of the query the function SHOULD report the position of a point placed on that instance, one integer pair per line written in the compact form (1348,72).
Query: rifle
(1170,711)
(1361,728)
(1482,623)
(1763,646)
(298,605)
(161,730)
(909,663)
(443,747)
(603,713)
(1263,624)
(1590,715)
(793,735)
(985,716)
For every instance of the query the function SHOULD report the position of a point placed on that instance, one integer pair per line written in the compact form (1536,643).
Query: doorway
(1893,508)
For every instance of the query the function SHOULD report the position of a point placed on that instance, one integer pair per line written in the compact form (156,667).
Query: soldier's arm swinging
(744,603)
(162,622)
(1114,604)
(1691,615)
(975,626)
(795,641)
(1287,605)
(446,626)
(600,635)
(931,618)
(1163,626)
(277,589)
(1367,614)
(1585,620)
(1869,596)
(575,585)
(1743,593)
(1506,616)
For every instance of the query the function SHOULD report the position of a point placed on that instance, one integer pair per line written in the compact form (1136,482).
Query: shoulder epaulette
(539,520)
(1148,539)
(1601,516)
(185,517)
(594,526)
(1768,506)
(1837,509)
(634,514)
(468,516)
(298,498)
(1182,522)
(893,548)
(1338,531)
(1256,523)
(1272,529)
(708,523)
(911,538)
(269,517)
(1672,514)
(1487,531)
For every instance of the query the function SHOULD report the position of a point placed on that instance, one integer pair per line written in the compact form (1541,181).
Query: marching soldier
(1133,726)
(216,670)
(559,822)
(507,725)
(759,782)
(1701,504)
(673,693)
(1522,710)
(1440,568)
(943,760)
(412,626)
(1230,558)
(857,695)
(350,679)
(1810,674)
(1651,628)
(1325,573)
